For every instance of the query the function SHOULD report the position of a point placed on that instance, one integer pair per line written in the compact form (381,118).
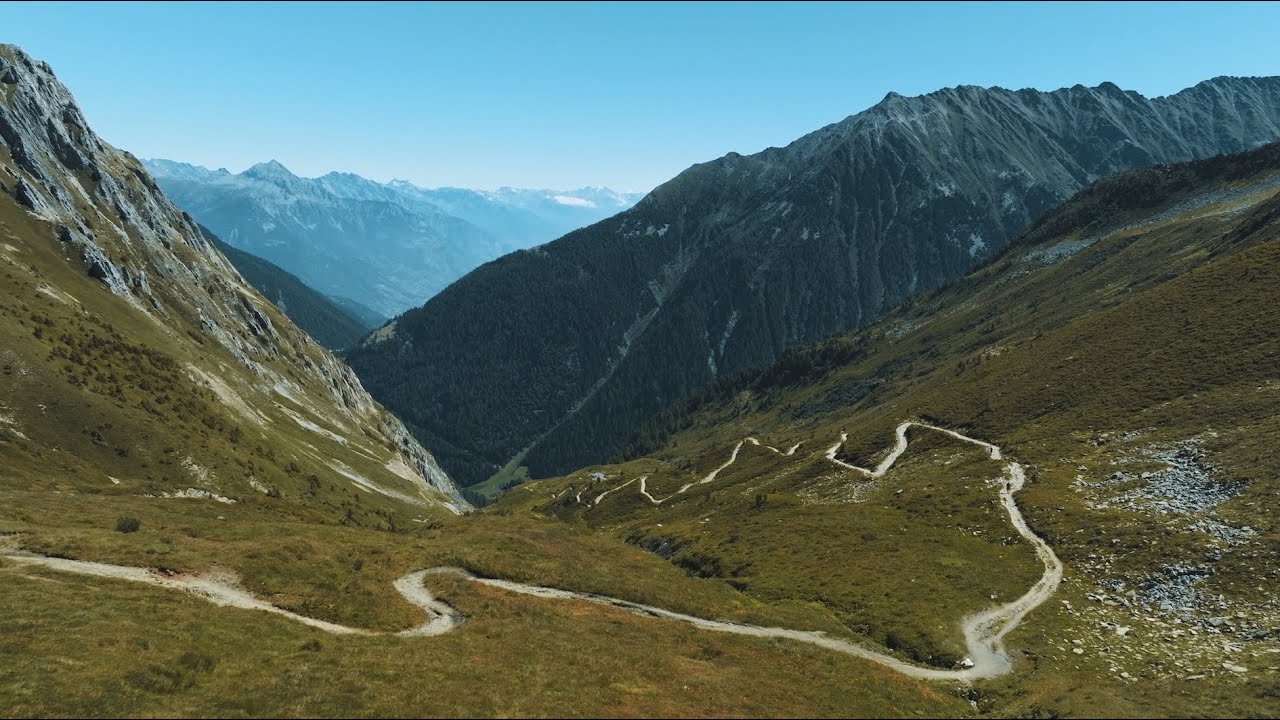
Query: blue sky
(564,95)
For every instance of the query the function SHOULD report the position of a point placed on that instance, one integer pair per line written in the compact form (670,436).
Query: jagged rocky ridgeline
(118,231)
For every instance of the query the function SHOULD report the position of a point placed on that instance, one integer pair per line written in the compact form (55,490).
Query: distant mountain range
(555,354)
(388,246)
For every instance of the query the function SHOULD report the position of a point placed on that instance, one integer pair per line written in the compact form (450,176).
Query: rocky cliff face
(562,349)
(138,275)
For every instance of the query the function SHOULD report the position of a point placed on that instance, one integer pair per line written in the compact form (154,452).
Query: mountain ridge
(737,258)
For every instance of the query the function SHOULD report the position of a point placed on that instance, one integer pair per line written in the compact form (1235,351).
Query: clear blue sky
(565,95)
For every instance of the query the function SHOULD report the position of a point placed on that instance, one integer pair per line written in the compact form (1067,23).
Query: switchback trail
(983,633)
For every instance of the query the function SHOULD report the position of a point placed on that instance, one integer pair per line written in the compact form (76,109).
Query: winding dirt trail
(984,632)
(606,492)
(223,590)
(733,457)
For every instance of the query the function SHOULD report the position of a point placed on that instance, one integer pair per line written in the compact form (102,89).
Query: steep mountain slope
(323,319)
(1125,352)
(390,246)
(561,350)
(138,362)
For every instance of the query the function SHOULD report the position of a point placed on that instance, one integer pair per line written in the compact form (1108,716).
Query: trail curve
(221,589)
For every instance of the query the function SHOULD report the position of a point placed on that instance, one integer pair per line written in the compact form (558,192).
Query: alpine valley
(964,406)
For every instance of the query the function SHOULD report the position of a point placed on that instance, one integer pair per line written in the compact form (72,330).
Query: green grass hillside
(1126,351)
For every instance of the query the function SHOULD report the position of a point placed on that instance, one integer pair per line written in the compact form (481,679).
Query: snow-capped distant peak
(271,171)
(573,201)
(338,175)
(160,167)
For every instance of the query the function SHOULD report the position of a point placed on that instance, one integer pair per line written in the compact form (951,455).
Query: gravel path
(223,590)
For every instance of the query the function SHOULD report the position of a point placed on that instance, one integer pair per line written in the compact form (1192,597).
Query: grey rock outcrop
(108,213)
